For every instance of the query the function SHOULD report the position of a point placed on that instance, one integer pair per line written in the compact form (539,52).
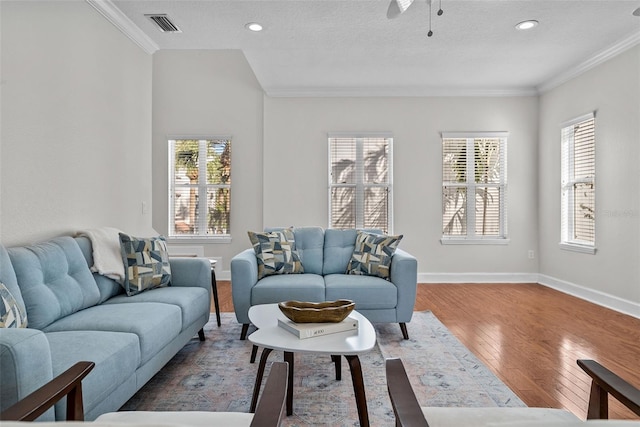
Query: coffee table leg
(338,362)
(288,357)
(358,388)
(259,375)
(254,351)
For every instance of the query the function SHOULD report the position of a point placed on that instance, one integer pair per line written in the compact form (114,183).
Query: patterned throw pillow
(11,315)
(276,252)
(372,254)
(146,263)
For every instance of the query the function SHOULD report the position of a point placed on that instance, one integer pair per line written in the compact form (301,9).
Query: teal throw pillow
(146,263)
(372,254)
(276,252)
(11,315)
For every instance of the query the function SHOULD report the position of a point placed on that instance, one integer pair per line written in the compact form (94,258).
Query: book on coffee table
(310,330)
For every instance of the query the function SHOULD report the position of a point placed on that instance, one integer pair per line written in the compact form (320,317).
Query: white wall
(613,91)
(76,123)
(295,172)
(210,93)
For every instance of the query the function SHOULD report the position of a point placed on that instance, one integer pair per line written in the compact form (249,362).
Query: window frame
(360,185)
(471,238)
(568,180)
(202,188)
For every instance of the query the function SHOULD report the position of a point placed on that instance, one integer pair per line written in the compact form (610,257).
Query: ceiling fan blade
(397,7)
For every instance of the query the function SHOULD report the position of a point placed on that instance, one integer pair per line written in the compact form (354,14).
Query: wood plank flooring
(530,336)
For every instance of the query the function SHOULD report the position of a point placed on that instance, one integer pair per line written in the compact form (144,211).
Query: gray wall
(76,123)
(295,172)
(613,91)
(209,93)
(80,148)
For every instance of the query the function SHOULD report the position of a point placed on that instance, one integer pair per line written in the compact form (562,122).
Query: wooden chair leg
(403,328)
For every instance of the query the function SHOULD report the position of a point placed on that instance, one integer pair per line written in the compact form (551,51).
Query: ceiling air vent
(164,23)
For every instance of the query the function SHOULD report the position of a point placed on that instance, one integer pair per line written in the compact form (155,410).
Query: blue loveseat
(74,315)
(325,255)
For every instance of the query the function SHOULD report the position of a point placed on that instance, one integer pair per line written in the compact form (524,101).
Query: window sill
(575,247)
(497,241)
(199,239)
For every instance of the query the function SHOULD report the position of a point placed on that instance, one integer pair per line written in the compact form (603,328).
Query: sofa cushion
(11,314)
(116,355)
(310,246)
(108,287)
(372,254)
(146,262)
(368,292)
(300,287)
(193,301)
(155,324)
(54,280)
(338,248)
(276,252)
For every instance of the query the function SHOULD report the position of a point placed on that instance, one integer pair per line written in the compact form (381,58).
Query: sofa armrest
(25,363)
(68,384)
(404,275)
(244,276)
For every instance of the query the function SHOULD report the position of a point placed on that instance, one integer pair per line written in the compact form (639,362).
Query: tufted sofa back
(54,279)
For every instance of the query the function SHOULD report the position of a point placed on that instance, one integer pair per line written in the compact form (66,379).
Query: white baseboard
(597,297)
(477,278)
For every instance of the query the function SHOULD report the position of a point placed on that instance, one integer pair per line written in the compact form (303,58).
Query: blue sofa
(325,255)
(74,315)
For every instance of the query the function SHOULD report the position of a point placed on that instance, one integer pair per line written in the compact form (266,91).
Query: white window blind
(199,187)
(578,182)
(474,182)
(360,182)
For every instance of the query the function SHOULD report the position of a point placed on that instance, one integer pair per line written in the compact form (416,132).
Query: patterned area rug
(216,375)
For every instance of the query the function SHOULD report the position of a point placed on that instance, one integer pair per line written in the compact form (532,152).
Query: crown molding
(408,91)
(124,24)
(597,59)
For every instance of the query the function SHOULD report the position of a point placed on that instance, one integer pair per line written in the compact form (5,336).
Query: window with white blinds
(199,187)
(474,183)
(360,181)
(578,184)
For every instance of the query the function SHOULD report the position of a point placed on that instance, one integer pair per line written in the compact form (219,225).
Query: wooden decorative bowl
(317,312)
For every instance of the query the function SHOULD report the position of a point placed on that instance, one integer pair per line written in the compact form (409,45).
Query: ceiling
(351,48)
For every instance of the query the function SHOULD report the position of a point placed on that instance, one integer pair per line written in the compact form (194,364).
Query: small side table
(214,287)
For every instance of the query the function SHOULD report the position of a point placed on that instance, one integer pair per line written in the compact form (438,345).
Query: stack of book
(310,330)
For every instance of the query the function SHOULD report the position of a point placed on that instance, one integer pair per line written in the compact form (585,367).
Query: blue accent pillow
(146,263)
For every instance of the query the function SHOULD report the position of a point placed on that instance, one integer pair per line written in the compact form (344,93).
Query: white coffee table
(350,344)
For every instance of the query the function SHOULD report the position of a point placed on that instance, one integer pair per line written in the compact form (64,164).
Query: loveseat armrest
(25,364)
(244,276)
(404,275)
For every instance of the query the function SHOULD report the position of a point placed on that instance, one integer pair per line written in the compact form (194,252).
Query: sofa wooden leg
(403,328)
(201,334)
(243,333)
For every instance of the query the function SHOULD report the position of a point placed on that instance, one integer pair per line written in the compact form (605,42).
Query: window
(578,184)
(199,187)
(360,181)
(474,183)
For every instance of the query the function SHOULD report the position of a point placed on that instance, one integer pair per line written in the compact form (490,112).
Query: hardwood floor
(530,336)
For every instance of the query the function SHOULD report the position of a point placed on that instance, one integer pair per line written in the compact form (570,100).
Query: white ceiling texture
(351,48)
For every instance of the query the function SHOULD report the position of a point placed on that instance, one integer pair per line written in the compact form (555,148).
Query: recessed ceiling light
(636,12)
(253,26)
(527,25)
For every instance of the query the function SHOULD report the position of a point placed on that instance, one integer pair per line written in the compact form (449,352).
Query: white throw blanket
(107,258)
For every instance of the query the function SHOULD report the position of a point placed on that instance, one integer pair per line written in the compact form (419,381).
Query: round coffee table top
(270,335)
